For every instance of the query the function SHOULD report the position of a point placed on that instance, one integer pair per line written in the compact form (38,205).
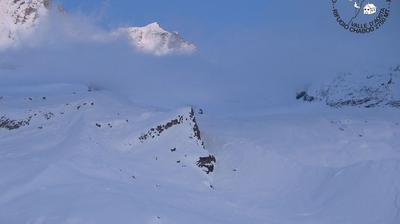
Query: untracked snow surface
(71,154)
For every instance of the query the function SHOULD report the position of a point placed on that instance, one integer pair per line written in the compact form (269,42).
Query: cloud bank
(260,63)
(40,21)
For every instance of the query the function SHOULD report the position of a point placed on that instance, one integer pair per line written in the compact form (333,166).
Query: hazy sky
(271,30)
(247,49)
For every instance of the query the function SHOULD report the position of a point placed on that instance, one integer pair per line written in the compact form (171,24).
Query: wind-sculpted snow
(362,91)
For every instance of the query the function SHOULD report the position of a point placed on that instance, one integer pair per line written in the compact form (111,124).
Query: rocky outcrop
(185,119)
(11,124)
(303,95)
(207,163)
(182,119)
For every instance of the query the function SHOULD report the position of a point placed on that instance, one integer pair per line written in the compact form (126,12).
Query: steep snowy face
(351,90)
(154,39)
(18,19)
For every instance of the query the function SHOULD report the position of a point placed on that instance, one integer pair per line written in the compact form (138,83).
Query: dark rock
(161,128)
(207,163)
(157,131)
(367,102)
(48,115)
(395,103)
(196,129)
(10,124)
(303,95)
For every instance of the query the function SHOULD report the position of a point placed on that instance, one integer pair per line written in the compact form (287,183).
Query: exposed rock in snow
(53,107)
(18,19)
(207,163)
(350,90)
(303,95)
(82,151)
(10,124)
(187,117)
(154,39)
(185,120)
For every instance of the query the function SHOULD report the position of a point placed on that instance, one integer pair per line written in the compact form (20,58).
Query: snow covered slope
(72,154)
(364,91)
(19,18)
(155,40)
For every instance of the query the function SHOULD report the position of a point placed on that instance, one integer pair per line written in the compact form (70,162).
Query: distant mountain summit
(362,91)
(155,40)
(18,19)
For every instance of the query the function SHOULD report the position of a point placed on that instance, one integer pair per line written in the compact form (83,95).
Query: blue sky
(210,22)
(252,49)
(211,13)
(177,12)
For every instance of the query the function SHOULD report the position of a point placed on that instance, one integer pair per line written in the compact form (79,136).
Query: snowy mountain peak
(155,26)
(153,39)
(367,91)
(18,19)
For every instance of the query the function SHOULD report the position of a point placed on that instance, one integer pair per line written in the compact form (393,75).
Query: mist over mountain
(238,57)
(196,112)
(22,19)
